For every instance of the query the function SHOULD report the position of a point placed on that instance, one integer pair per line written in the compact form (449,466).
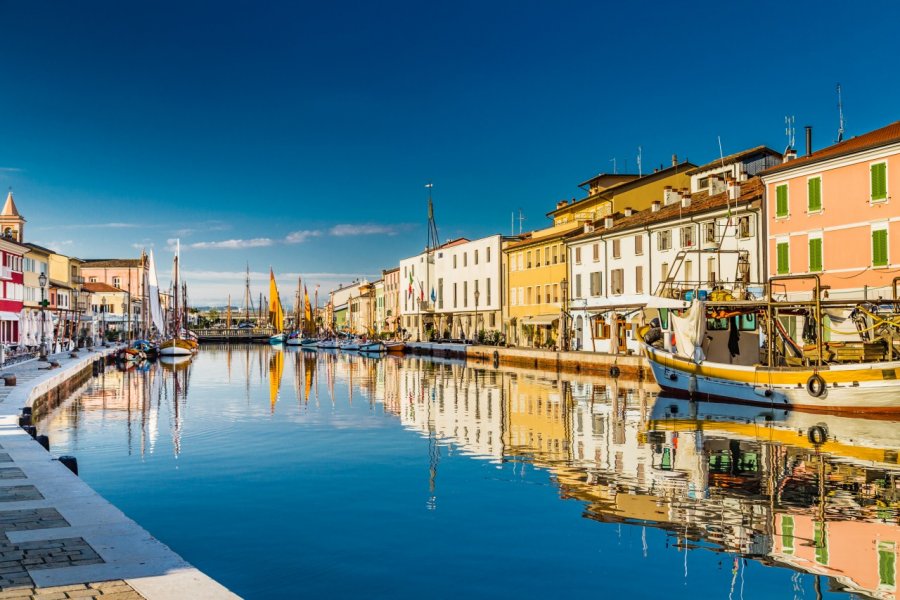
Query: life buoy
(815,385)
(614,371)
(817,435)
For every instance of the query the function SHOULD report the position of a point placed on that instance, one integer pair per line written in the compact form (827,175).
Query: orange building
(831,213)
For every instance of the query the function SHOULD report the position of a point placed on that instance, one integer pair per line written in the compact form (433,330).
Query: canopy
(636,301)
(540,319)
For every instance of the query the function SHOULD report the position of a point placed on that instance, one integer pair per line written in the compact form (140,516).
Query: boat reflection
(787,489)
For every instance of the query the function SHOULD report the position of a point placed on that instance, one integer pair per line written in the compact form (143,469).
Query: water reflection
(785,489)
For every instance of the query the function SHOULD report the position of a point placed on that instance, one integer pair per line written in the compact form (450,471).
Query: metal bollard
(70,463)
(44,441)
(30,430)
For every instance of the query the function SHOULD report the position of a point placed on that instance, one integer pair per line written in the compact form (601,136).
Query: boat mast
(175,319)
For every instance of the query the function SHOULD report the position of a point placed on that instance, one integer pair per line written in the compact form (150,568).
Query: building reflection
(790,489)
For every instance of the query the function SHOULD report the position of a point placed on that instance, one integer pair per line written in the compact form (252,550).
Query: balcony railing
(5,273)
(77,279)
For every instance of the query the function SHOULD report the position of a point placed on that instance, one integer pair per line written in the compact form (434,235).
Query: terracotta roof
(9,209)
(736,157)
(99,286)
(701,202)
(536,237)
(111,262)
(880,137)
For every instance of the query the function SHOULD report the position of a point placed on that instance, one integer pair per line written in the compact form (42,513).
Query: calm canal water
(285,473)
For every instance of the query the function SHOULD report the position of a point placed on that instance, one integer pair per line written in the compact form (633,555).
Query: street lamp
(476,312)
(564,338)
(42,281)
(103,317)
(125,321)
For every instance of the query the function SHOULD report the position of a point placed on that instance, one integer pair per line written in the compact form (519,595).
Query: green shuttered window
(814,193)
(879,181)
(782,250)
(815,255)
(879,248)
(781,201)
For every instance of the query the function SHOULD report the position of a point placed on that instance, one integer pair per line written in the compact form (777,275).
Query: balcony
(77,279)
(5,273)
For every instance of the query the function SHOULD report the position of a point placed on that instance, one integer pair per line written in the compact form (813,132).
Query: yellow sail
(308,307)
(276,368)
(276,312)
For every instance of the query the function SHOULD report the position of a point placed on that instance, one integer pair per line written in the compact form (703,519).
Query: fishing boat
(395,347)
(176,345)
(350,345)
(739,350)
(328,344)
(374,346)
(276,311)
(304,335)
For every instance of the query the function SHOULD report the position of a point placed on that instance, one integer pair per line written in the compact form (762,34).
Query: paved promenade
(59,538)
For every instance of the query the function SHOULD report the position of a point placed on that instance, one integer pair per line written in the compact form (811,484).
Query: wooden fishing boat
(177,345)
(767,367)
(328,344)
(395,347)
(276,311)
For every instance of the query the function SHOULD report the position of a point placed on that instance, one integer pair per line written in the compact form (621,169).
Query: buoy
(815,385)
(817,435)
(44,441)
(614,371)
(70,463)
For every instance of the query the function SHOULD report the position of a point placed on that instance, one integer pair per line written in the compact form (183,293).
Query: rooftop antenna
(789,131)
(434,240)
(721,154)
(613,161)
(640,173)
(521,220)
(512,223)
(840,115)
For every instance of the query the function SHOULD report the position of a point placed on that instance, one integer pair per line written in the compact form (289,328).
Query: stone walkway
(60,539)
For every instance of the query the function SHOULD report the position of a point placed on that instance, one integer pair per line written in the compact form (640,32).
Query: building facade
(391,278)
(830,214)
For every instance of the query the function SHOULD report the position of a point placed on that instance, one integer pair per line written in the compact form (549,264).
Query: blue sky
(301,135)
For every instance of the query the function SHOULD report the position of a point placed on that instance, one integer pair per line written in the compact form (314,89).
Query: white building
(454,291)
(684,244)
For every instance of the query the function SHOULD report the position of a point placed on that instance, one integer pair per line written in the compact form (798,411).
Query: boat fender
(815,385)
(817,435)
(692,384)
(614,371)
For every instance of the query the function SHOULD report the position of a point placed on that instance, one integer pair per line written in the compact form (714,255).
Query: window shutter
(781,201)
(815,194)
(879,181)
(879,248)
(782,253)
(815,254)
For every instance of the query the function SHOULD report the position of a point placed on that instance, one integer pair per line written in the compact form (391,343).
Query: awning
(8,316)
(540,319)
(635,301)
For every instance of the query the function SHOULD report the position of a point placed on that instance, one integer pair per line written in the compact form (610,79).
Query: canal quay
(280,472)
(60,539)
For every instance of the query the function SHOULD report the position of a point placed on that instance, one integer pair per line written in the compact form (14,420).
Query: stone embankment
(58,537)
(593,363)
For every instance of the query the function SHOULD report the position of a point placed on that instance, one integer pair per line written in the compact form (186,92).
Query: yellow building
(608,194)
(535,273)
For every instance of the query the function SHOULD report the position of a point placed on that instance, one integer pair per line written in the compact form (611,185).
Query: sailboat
(175,345)
(296,336)
(276,311)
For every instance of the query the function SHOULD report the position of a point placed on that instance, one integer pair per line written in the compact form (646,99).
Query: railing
(234,332)
(77,279)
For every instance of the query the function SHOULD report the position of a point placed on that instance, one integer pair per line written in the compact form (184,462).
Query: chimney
(789,155)
(608,222)
(588,227)
(733,188)
(808,129)
(674,159)
(686,201)
(629,211)
(561,204)
(654,206)
(671,196)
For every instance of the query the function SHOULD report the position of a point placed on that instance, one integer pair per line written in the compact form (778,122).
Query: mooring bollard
(8,379)
(70,462)
(44,441)
(30,430)
(26,410)
(24,420)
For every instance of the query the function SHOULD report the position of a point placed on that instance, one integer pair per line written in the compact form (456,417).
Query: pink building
(832,213)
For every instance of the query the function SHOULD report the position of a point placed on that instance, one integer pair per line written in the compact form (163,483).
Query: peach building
(832,213)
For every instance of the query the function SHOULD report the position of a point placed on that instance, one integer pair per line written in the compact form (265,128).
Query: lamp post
(564,338)
(477,294)
(42,281)
(103,317)
(126,323)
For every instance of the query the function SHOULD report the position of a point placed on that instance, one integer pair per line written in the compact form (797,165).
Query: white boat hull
(849,388)
(175,351)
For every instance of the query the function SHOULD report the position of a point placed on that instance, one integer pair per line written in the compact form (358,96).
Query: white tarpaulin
(689,331)
(153,288)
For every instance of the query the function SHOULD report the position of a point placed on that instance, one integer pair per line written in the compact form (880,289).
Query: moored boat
(350,345)
(739,351)
(372,346)
(395,347)
(276,311)
(328,344)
